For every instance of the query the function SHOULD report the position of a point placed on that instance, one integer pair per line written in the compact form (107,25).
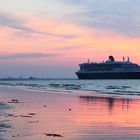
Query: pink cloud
(72,43)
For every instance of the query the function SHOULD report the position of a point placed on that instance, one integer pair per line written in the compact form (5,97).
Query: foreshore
(33,115)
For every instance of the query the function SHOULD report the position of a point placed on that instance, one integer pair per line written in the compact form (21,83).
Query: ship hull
(110,75)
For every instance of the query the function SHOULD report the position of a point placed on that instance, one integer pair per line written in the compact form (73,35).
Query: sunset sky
(49,38)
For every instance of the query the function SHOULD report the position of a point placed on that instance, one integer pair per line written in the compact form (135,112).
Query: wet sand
(33,115)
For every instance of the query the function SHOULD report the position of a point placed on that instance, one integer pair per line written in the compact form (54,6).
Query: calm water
(91,117)
(127,88)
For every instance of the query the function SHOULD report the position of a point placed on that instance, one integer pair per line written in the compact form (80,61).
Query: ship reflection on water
(111,118)
(108,101)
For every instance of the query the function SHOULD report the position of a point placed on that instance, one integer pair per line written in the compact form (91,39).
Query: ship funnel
(111,58)
(128,59)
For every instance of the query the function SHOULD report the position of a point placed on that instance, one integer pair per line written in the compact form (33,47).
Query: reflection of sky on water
(90,117)
(111,117)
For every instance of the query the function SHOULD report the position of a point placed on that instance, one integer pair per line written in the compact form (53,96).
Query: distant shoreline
(35,78)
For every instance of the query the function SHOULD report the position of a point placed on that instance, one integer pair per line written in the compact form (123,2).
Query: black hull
(113,75)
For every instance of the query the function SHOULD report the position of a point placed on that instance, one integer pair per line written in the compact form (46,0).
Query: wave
(53,85)
(116,87)
(66,86)
(127,92)
(20,84)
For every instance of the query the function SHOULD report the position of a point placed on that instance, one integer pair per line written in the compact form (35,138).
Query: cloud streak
(20,25)
(25,56)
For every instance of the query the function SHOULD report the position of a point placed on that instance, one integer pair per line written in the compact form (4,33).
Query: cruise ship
(109,69)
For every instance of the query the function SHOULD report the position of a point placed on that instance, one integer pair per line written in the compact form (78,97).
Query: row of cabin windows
(98,67)
(107,67)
